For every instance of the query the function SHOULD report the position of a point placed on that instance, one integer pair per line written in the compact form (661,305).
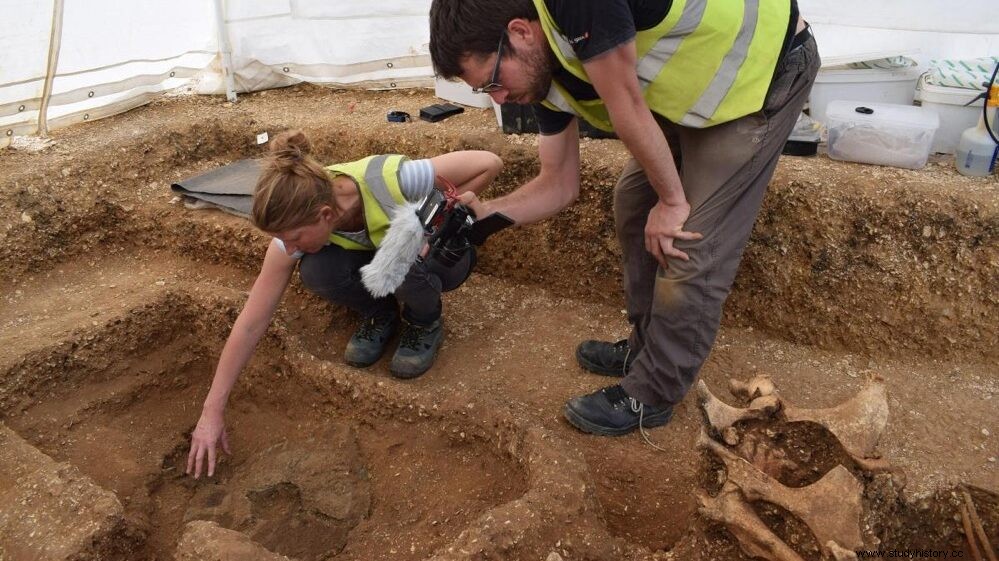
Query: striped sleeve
(416,178)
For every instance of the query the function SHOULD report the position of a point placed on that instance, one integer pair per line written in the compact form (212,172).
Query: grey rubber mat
(228,188)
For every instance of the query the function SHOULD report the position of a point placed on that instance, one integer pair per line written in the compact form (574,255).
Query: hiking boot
(611,412)
(417,348)
(367,344)
(608,359)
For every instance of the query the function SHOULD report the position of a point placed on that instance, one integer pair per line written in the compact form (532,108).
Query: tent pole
(55,42)
(225,51)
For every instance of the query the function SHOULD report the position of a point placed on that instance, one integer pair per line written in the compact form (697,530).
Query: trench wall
(894,263)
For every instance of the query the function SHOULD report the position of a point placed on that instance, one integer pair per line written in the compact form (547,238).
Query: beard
(539,68)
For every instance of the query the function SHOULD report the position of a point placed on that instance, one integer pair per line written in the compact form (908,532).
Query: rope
(640,409)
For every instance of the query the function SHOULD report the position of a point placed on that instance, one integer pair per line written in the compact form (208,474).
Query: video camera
(452,230)
(447,226)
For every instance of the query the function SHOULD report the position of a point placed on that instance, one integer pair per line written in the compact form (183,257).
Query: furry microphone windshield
(398,252)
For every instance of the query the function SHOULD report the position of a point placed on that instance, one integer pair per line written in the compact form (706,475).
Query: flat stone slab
(297,498)
(50,511)
(207,541)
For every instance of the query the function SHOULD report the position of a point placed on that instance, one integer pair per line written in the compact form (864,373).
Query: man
(704,94)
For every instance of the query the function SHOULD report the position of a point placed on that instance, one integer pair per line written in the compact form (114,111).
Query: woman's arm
(469,170)
(250,326)
(555,187)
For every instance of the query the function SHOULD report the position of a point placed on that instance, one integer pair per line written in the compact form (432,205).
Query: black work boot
(367,344)
(611,412)
(417,349)
(602,357)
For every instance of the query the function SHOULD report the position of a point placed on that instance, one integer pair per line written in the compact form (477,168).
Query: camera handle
(451,227)
(449,190)
(483,227)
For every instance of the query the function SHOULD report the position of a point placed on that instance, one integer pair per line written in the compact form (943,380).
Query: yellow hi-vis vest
(707,62)
(377,178)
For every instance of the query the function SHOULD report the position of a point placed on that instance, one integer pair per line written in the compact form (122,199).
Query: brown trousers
(725,169)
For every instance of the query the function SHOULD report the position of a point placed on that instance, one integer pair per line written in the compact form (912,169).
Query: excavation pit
(116,301)
(307,479)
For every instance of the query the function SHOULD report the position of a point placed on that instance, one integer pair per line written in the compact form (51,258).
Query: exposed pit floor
(508,348)
(134,380)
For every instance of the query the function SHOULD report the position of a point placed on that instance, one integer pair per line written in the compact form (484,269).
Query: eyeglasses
(493,84)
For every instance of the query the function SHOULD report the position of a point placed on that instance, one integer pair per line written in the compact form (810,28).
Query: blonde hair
(292,187)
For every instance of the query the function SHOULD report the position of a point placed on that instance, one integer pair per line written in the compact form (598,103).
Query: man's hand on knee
(665,224)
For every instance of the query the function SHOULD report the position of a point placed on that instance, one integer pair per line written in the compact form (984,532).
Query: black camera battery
(440,111)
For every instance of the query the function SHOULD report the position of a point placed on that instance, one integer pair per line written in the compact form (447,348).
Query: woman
(330,221)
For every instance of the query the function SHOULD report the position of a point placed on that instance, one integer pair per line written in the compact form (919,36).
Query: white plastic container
(976,151)
(460,92)
(955,117)
(880,133)
(872,85)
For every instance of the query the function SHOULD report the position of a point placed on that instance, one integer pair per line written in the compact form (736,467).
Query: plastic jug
(976,152)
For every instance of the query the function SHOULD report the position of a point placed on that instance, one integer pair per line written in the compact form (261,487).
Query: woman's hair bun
(289,148)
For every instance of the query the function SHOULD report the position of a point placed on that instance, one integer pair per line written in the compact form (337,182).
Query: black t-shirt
(597,26)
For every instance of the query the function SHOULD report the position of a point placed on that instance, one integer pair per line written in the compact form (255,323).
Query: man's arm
(555,187)
(613,76)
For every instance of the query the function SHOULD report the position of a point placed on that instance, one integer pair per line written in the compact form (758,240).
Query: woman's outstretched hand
(205,439)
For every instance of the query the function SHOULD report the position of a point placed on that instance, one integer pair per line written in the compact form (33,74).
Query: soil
(116,301)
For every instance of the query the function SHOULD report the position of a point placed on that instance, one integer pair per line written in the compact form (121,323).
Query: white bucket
(874,85)
(955,117)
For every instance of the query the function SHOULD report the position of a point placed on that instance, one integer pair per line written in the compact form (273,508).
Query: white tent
(855,30)
(66,61)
